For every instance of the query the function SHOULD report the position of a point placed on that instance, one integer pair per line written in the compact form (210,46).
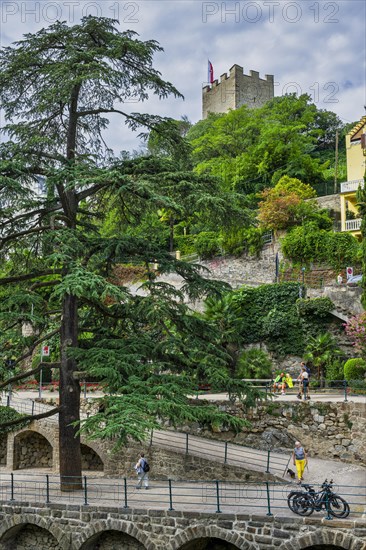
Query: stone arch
(210,531)
(39,451)
(97,528)
(90,459)
(97,448)
(323,536)
(11,525)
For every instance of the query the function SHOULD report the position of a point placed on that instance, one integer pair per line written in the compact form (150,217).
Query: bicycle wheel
(290,499)
(302,504)
(338,507)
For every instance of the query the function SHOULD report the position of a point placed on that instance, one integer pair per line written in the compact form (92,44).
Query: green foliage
(287,205)
(355,369)
(315,307)
(185,243)
(321,351)
(207,244)
(294,185)
(243,240)
(267,314)
(361,205)
(7,414)
(250,149)
(335,370)
(59,88)
(308,243)
(254,363)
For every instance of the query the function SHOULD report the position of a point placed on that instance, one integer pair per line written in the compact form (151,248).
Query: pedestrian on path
(142,468)
(303,380)
(300,460)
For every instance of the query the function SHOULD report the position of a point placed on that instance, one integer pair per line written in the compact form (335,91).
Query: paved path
(330,396)
(350,479)
(202,496)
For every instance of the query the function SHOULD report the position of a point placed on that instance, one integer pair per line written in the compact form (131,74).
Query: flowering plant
(356,330)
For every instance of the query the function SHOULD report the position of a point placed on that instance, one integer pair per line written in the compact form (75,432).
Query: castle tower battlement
(236,89)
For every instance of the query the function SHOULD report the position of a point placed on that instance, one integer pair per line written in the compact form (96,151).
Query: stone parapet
(65,527)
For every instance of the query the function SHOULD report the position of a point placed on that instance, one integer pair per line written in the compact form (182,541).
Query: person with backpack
(300,460)
(142,468)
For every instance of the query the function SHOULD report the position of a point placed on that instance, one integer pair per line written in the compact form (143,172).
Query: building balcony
(353,225)
(353,185)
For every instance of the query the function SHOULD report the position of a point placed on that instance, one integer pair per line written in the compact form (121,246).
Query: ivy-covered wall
(275,315)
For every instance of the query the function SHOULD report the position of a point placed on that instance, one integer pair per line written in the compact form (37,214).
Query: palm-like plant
(320,351)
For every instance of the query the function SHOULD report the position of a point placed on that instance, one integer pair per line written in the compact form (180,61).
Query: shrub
(308,243)
(317,307)
(254,363)
(355,369)
(185,243)
(7,414)
(233,242)
(242,240)
(334,371)
(207,244)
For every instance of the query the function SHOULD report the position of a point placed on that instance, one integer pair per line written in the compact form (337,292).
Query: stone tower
(235,90)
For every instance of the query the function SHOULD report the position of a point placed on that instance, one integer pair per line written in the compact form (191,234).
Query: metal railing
(212,496)
(353,225)
(352,185)
(182,442)
(27,406)
(221,451)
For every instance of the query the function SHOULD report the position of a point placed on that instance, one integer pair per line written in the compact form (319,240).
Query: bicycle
(304,503)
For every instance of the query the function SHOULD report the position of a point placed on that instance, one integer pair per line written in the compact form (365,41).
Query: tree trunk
(69,442)
(70,450)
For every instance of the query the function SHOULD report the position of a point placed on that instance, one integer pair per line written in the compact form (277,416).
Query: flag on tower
(210,75)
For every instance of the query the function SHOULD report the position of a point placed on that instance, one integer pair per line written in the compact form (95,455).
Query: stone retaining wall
(71,527)
(327,430)
(177,466)
(32,450)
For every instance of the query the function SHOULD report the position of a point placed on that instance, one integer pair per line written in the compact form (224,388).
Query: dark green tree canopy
(251,149)
(59,266)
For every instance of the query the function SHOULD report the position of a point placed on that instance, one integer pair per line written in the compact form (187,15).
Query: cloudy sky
(314,47)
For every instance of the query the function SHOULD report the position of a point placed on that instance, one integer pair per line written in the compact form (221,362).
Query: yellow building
(356,157)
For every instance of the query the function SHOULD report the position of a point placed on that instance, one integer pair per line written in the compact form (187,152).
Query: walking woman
(300,460)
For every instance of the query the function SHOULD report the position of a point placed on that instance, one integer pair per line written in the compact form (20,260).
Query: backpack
(145,467)
(308,370)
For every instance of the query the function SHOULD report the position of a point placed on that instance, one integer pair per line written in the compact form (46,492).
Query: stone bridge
(69,527)
(347,300)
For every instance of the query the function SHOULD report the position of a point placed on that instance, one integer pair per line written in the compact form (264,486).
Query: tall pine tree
(58,274)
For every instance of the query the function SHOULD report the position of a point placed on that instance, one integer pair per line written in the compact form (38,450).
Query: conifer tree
(58,274)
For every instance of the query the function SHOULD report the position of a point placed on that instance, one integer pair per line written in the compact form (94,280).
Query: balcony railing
(353,225)
(353,185)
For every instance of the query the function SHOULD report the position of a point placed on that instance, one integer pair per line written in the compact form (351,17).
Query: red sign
(45,351)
